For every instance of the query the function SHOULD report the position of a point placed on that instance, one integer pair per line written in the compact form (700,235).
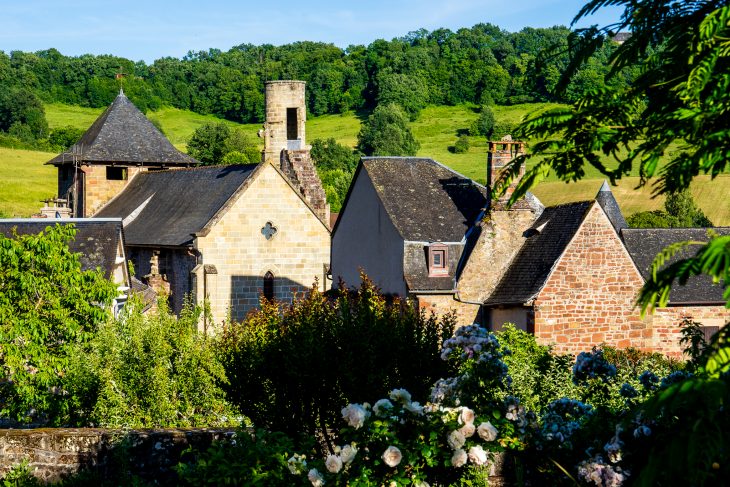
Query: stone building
(121,143)
(569,274)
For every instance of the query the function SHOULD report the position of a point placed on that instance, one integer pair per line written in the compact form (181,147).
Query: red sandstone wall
(589,298)
(665,322)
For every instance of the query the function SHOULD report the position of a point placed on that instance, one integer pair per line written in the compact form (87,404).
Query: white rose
(348,453)
(355,415)
(382,407)
(466,416)
(392,456)
(467,430)
(400,395)
(477,455)
(487,431)
(459,458)
(316,478)
(333,463)
(455,440)
(413,407)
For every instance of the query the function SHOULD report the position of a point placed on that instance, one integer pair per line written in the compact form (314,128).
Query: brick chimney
(501,153)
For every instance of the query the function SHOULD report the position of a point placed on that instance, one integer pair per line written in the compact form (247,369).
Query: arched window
(269,285)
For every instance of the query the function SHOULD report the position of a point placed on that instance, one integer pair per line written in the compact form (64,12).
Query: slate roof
(426,201)
(544,244)
(96,240)
(610,206)
(644,244)
(122,134)
(164,208)
(415,268)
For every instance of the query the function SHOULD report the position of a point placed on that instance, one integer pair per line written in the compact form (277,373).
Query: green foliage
(386,133)
(462,145)
(48,308)
(680,211)
(484,124)
(251,458)
(216,143)
(408,92)
(21,112)
(20,475)
(292,369)
(328,154)
(147,371)
(63,138)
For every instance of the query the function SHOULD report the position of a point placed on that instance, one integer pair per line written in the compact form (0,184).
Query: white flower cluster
(456,439)
(597,472)
(355,415)
(315,478)
(444,391)
(341,457)
(469,342)
(297,464)
(613,447)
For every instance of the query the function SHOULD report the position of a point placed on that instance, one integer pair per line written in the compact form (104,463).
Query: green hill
(24,180)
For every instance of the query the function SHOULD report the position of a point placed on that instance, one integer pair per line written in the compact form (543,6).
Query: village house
(228,234)
(569,273)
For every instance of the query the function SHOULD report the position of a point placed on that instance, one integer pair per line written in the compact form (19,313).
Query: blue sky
(148,30)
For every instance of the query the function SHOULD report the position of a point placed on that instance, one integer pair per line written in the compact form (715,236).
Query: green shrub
(144,371)
(484,124)
(502,128)
(292,369)
(462,145)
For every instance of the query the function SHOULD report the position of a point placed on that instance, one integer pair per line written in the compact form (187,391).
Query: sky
(149,30)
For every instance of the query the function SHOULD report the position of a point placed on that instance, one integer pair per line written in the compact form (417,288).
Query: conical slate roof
(123,135)
(610,206)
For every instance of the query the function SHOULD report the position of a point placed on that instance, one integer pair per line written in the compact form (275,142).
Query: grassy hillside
(24,181)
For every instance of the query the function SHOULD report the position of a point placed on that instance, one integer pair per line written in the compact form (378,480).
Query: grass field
(24,180)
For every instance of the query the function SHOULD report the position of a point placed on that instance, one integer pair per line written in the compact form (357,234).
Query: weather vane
(119,75)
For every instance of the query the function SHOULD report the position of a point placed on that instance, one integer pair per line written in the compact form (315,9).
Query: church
(228,235)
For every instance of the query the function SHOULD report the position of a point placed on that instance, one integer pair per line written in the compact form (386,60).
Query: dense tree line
(483,64)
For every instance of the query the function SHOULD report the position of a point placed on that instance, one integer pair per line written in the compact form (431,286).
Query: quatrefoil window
(269,230)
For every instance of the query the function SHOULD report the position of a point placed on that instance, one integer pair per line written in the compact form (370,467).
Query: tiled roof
(122,134)
(644,244)
(96,240)
(164,208)
(426,201)
(544,244)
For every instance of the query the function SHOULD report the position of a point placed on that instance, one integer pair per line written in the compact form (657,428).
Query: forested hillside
(483,65)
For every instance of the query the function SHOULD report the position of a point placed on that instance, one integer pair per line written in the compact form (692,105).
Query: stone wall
(589,297)
(443,304)
(281,95)
(54,453)
(665,323)
(237,246)
(99,190)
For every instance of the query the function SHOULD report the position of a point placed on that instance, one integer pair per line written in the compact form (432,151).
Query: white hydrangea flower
(316,478)
(455,440)
(413,407)
(487,431)
(333,463)
(400,395)
(347,454)
(355,415)
(477,455)
(459,458)
(392,456)
(382,408)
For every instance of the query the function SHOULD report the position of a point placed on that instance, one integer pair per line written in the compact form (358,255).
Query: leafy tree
(216,143)
(19,107)
(484,124)
(680,211)
(409,92)
(64,137)
(462,144)
(328,154)
(48,307)
(679,97)
(386,133)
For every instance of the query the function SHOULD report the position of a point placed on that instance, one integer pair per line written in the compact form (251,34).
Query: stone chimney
(55,208)
(501,153)
(158,282)
(285,142)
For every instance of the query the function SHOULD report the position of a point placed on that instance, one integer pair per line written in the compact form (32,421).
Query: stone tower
(501,153)
(284,141)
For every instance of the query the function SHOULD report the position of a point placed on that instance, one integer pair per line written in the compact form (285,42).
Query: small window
(269,286)
(116,173)
(437,260)
(292,124)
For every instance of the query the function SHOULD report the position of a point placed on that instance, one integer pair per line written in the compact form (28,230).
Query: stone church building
(569,274)
(228,234)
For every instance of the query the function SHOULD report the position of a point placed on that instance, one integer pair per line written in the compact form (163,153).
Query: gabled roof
(425,200)
(544,244)
(610,207)
(644,244)
(97,240)
(123,135)
(165,208)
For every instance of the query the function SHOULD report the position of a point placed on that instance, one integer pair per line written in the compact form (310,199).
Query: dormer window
(438,255)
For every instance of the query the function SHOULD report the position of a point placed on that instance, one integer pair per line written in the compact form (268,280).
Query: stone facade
(235,254)
(665,324)
(589,297)
(444,304)
(99,189)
